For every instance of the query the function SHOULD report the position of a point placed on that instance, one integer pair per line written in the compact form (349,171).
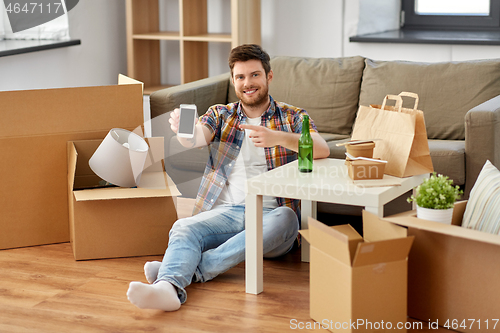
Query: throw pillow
(483,208)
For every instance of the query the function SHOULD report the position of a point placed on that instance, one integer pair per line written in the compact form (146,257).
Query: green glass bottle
(305,147)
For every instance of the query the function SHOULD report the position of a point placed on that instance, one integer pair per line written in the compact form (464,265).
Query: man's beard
(261,98)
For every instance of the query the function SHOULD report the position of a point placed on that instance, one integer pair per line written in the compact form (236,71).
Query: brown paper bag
(401,134)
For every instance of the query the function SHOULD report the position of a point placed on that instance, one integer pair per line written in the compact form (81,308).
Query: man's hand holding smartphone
(183,121)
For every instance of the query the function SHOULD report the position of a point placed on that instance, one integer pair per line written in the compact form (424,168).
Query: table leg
(307,208)
(254,245)
(377,210)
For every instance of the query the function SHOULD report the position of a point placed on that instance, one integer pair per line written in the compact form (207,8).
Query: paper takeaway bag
(401,133)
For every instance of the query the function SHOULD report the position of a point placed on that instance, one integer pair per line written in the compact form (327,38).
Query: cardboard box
(360,149)
(355,283)
(362,169)
(34,130)
(453,273)
(114,222)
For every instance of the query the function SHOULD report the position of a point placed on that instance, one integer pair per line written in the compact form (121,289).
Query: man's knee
(287,217)
(181,227)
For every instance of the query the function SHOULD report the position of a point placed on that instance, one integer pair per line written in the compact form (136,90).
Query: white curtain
(55,29)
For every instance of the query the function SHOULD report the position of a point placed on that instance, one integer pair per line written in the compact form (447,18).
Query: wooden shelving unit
(144,36)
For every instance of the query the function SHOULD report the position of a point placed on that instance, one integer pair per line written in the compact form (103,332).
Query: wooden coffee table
(328,182)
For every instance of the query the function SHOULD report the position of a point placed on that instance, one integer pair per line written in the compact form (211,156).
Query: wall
(289,27)
(100,25)
(304,28)
(321,28)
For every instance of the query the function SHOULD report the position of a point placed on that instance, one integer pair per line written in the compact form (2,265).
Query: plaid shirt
(223,121)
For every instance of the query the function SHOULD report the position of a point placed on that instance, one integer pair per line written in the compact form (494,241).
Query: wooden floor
(43,289)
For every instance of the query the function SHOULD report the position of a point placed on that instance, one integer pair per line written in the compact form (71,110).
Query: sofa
(460,101)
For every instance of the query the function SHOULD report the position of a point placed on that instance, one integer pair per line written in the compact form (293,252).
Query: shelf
(161,35)
(144,37)
(210,38)
(227,38)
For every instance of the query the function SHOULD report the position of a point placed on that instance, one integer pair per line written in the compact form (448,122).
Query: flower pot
(437,215)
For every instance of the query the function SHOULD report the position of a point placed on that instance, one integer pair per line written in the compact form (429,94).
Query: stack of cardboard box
(453,273)
(107,222)
(449,278)
(35,130)
(358,283)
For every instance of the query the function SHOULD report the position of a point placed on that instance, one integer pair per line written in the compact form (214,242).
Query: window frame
(450,22)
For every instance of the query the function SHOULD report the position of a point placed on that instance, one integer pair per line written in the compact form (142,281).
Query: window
(44,36)
(459,22)
(452,7)
(451,14)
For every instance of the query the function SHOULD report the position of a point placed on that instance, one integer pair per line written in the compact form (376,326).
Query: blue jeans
(208,244)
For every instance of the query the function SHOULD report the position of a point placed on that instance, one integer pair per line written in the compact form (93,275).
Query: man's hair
(247,52)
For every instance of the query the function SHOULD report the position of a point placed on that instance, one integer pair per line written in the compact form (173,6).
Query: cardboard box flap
(72,157)
(353,238)
(458,212)
(69,110)
(123,79)
(158,180)
(371,253)
(412,221)
(112,193)
(328,241)
(335,241)
(83,151)
(155,154)
(305,233)
(376,229)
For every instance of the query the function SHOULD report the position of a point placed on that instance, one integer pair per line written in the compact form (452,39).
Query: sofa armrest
(482,139)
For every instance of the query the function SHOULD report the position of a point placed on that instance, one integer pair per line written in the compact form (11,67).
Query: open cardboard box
(355,283)
(34,130)
(114,222)
(453,273)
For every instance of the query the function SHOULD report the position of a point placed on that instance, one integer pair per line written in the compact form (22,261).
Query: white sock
(160,296)
(151,269)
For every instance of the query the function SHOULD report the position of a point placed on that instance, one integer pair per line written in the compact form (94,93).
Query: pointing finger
(251,127)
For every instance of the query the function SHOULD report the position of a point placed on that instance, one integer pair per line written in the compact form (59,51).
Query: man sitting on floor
(246,138)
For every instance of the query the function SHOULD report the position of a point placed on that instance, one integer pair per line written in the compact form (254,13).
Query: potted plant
(435,198)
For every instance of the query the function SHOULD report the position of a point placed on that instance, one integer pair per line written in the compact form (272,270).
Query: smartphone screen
(186,122)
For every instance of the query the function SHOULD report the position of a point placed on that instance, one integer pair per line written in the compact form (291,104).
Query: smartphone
(187,119)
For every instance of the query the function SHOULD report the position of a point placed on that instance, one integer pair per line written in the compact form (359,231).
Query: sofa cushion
(448,158)
(337,151)
(447,90)
(328,89)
